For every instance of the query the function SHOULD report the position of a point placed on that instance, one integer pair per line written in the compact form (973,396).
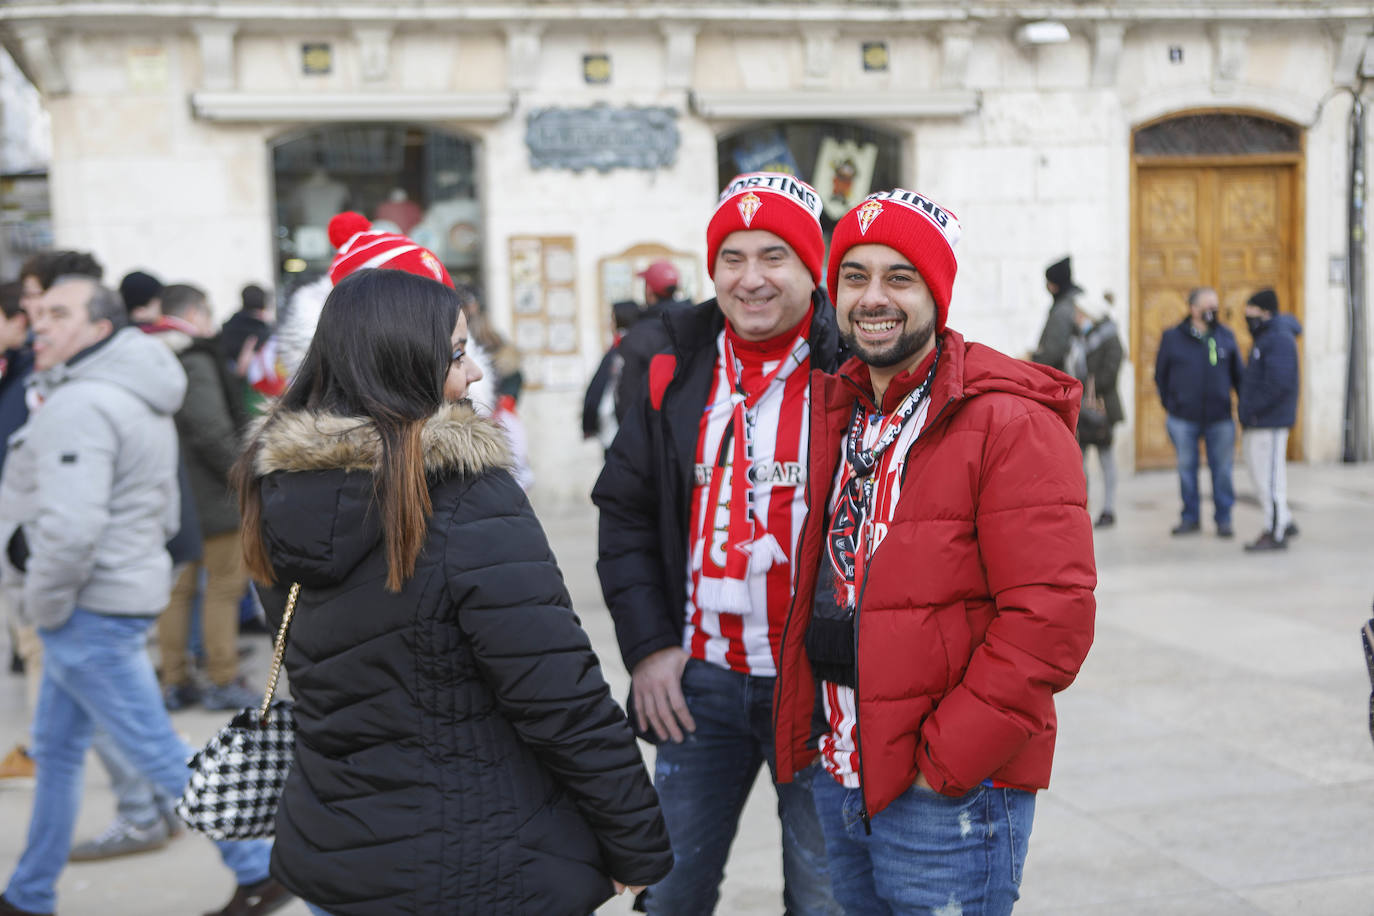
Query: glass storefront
(414,180)
(844,161)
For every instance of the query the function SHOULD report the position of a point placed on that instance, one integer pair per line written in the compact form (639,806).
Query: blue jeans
(928,853)
(96,672)
(136,799)
(1220,436)
(702,785)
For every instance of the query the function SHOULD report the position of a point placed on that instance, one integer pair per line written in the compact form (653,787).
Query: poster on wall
(543,278)
(768,153)
(844,174)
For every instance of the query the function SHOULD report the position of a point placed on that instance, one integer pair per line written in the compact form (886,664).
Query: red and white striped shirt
(839,752)
(778,425)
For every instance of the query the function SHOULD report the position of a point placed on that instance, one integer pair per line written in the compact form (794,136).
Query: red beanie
(910,223)
(360,247)
(774,202)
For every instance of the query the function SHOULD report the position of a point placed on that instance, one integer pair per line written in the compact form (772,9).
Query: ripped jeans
(929,854)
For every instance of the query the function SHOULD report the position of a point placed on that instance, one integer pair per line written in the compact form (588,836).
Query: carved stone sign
(602,138)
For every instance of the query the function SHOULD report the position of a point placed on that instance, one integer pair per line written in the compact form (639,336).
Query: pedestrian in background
(702,497)
(142,295)
(598,404)
(1055,337)
(210,425)
(457,750)
(1268,408)
(1196,369)
(649,335)
(1095,360)
(97,467)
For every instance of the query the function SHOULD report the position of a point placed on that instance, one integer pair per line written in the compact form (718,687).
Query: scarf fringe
(723,596)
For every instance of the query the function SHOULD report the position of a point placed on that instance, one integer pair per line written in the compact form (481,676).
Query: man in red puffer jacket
(945,582)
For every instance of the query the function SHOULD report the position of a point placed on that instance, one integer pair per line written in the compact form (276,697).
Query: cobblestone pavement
(1213,756)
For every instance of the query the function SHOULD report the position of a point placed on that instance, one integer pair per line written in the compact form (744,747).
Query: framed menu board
(543,277)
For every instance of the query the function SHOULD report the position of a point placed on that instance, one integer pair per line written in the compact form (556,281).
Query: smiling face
(63,326)
(885,310)
(462,372)
(762,286)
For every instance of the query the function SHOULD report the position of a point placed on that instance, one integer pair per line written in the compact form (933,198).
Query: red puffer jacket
(978,606)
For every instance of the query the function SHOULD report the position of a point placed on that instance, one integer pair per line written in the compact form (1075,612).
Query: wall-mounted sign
(875,56)
(596,69)
(317,58)
(602,138)
(146,69)
(1175,54)
(543,271)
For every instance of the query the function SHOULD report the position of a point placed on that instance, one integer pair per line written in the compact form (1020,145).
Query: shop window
(405,179)
(845,162)
(1219,133)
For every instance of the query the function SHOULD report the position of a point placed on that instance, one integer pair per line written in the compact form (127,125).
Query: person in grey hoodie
(96,469)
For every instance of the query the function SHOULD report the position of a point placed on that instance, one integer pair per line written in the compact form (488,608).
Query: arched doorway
(1217,201)
(411,179)
(845,161)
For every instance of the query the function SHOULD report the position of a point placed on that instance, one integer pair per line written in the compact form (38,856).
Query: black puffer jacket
(645,489)
(457,750)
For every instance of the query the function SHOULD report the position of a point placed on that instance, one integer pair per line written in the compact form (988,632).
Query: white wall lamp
(1043,32)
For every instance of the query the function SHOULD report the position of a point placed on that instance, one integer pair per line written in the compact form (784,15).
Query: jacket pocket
(561,869)
(952,623)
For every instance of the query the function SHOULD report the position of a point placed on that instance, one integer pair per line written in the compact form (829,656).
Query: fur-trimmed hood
(319,517)
(455,440)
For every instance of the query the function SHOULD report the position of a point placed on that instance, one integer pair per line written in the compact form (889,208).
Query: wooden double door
(1229,224)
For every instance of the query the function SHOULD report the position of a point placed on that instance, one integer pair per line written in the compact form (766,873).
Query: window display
(412,180)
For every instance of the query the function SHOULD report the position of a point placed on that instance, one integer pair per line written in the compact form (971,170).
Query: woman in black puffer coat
(457,750)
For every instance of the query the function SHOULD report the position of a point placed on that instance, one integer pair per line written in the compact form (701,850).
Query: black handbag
(1093,425)
(237,778)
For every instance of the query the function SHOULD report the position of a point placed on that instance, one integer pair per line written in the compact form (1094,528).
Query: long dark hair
(381,352)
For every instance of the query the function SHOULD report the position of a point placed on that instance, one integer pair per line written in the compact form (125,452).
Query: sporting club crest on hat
(868,213)
(749,205)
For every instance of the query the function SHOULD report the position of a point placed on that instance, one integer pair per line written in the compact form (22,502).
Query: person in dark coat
(457,749)
(210,425)
(1095,360)
(598,405)
(1196,369)
(1268,408)
(1053,348)
(649,335)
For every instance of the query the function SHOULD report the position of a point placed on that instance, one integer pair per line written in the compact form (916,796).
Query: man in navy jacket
(1197,367)
(1268,408)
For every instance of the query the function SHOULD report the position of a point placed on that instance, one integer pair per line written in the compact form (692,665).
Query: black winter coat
(645,489)
(1269,386)
(457,750)
(1191,385)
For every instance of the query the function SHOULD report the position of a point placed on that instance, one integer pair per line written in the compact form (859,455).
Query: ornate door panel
(1231,228)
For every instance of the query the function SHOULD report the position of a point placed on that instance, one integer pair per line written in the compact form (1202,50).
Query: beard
(888,355)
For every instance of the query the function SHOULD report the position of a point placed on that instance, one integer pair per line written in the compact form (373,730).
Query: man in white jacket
(97,468)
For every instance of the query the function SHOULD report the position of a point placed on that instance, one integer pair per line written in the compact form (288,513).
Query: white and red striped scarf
(742,551)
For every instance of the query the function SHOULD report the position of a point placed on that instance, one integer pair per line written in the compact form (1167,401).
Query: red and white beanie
(360,247)
(911,223)
(775,202)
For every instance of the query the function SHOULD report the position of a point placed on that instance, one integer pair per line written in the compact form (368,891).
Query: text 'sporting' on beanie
(362,247)
(911,223)
(1265,299)
(774,202)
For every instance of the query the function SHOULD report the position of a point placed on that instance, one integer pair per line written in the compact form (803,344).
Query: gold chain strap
(279,652)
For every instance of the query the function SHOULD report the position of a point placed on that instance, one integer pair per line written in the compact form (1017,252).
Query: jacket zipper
(858,607)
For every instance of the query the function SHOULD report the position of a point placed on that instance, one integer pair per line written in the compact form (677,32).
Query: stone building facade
(549,149)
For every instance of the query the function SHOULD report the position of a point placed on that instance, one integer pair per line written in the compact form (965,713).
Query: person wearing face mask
(1268,408)
(1095,360)
(1197,368)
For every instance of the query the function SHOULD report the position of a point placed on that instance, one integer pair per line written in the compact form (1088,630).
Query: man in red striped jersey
(702,499)
(944,594)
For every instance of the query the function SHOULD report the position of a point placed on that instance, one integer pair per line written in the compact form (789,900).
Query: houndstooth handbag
(237,778)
